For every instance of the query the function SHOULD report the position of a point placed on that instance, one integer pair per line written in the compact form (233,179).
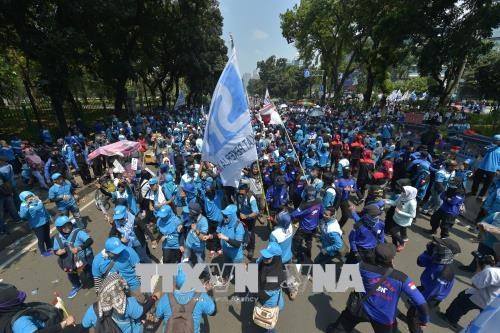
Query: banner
(228,141)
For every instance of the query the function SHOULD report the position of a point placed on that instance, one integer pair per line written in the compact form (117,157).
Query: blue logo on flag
(229,107)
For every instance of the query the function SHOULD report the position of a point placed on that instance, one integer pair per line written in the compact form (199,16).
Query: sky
(255,26)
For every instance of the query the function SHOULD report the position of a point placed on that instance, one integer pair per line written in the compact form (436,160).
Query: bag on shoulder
(181,320)
(266,317)
(43,312)
(246,234)
(105,324)
(355,300)
(67,261)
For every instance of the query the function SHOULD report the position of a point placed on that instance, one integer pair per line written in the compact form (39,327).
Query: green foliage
(283,79)
(417,84)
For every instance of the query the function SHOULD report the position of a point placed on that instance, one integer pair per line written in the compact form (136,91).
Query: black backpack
(67,261)
(106,324)
(44,312)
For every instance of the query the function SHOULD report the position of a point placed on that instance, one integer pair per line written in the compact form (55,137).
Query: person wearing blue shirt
(380,308)
(121,259)
(282,234)
(445,216)
(75,242)
(330,194)
(172,240)
(271,278)
(126,312)
(487,168)
(63,194)
(231,234)
(324,159)
(438,277)
(213,214)
(199,304)
(197,234)
(440,185)
(12,303)
(309,212)
(34,211)
(247,213)
(366,234)
(330,237)
(347,186)
(131,230)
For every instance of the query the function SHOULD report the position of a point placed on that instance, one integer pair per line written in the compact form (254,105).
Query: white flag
(229,142)
(181,100)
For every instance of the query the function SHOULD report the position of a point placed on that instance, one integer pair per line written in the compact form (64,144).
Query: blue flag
(229,142)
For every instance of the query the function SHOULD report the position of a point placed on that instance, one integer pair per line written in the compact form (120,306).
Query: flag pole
(294,151)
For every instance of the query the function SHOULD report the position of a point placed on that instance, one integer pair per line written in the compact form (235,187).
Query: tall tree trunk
(450,86)
(76,110)
(176,88)
(370,82)
(57,106)
(323,82)
(31,97)
(120,96)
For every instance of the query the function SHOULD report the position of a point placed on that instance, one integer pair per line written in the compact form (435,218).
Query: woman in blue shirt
(33,210)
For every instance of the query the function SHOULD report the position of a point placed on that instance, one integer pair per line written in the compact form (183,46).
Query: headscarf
(442,255)
(11,299)
(409,193)
(112,295)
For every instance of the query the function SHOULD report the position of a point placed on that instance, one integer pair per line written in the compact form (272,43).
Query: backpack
(67,261)
(44,312)
(106,324)
(181,319)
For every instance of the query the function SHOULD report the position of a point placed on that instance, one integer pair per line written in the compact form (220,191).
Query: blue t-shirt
(27,324)
(81,238)
(204,306)
(169,227)
(192,240)
(58,191)
(124,265)
(128,323)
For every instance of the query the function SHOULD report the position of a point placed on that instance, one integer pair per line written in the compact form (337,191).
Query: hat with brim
(270,251)
(448,243)
(56,176)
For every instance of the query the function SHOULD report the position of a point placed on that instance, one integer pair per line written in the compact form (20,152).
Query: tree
(452,36)
(482,80)
(322,30)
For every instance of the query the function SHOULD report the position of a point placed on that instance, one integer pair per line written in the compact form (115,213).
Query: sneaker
(406,239)
(46,254)
(293,294)
(72,293)
(400,248)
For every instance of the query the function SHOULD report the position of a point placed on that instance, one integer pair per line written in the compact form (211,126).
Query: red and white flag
(268,112)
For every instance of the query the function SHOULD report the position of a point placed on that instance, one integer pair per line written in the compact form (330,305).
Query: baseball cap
(273,249)
(55,176)
(153,181)
(372,210)
(195,207)
(119,212)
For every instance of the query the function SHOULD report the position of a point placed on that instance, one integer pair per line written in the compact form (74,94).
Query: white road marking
(32,244)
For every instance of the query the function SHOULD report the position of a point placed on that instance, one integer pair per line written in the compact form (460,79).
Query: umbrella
(120,148)
(282,106)
(316,113)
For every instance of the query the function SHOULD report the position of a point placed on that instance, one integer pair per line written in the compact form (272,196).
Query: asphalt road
(21,265)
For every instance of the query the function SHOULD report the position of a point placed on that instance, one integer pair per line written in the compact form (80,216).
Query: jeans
(301,236)
(347,321)
(7,202)
(434,201)
(75,211)
(200,256)
(143,256)
(42,233)
(398,233)
(459,307)
(40,179)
